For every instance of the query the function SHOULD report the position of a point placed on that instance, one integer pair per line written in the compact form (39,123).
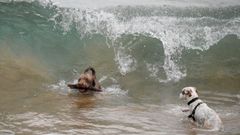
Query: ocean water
(144,53)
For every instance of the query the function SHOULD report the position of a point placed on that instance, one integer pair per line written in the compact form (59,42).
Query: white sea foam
(126,63)
(110,3)
(115,90)
(60,87)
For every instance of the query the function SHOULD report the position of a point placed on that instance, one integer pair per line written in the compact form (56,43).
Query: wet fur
(87,79)
(204,115)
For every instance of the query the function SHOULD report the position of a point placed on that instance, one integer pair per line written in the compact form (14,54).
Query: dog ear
(90,69)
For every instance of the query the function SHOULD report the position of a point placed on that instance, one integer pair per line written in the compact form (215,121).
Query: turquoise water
(144,54)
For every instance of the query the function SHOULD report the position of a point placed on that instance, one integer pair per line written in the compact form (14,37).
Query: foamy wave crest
(41,2)
(176,34)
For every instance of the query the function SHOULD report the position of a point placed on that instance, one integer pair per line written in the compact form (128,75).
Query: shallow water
(106,113)
(144,54)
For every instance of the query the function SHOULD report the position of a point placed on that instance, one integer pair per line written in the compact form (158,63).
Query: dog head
(188,93)
(87,79)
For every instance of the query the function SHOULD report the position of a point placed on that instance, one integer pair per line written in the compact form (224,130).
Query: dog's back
(208,118)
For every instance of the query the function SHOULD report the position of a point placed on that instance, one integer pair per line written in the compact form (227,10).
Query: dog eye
(183,92)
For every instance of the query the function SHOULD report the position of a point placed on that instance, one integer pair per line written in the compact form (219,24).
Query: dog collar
(191,101)
(193,112)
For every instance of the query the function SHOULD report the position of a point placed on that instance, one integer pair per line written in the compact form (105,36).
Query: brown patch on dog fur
(189,93)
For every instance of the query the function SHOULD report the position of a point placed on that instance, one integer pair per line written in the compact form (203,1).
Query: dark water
(144,55)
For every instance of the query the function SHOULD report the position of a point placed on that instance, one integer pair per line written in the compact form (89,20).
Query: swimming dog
(87,82)
(200,113)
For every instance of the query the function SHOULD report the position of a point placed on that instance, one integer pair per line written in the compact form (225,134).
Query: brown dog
(87,82)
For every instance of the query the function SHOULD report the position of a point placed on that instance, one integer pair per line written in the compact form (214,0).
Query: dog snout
(181,96)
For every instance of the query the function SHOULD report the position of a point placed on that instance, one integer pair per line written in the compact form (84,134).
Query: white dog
(200,113)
